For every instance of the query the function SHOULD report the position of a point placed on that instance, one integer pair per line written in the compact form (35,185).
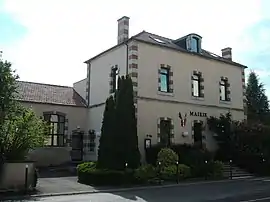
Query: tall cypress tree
(257,101)
(126,126)
(133,157)
(119,141)
(106,146)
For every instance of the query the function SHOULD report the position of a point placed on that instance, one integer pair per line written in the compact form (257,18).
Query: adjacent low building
(177,85)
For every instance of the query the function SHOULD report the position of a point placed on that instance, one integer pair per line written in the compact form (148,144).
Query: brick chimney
(227,53)
(123,29)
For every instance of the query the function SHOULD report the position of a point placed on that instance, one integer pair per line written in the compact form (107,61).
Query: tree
(257,101)
(126,125)
(105,150)
(223,127)
(20,129)
(119,141)
(21,132)
(7,89)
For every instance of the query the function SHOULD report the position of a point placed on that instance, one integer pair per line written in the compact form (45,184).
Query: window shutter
(201,79)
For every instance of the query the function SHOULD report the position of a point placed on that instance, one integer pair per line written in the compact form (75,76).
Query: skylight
(157,40)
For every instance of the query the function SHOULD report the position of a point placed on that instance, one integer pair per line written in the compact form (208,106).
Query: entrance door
(77,147)
(198,134)
(165,132)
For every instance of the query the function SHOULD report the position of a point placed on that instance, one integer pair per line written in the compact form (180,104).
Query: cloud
(62,34)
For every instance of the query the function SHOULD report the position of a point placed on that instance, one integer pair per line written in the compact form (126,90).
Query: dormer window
(194,44)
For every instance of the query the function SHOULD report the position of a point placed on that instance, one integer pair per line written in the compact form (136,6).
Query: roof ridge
(46,84)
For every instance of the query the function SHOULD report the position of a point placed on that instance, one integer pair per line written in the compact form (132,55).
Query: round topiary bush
(167,157)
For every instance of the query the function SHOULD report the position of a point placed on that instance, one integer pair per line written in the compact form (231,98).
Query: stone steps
(235,171)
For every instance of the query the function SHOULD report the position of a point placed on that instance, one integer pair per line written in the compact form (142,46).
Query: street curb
(120,189)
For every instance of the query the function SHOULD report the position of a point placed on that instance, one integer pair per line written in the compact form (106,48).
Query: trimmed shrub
(170,172)
(86,166)
(105,177)
(167,157)
(145,173)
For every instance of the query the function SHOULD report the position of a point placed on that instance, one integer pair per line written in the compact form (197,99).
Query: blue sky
(47,40)
(10,29)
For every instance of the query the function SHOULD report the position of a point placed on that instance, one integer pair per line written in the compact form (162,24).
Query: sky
(47,41)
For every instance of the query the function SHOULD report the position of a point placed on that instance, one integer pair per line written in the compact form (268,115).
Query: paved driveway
(61,185)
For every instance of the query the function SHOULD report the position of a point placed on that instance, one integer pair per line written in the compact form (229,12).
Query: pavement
(243,190)
(56,185)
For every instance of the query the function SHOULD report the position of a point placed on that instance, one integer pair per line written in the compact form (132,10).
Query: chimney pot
(227,53)
(123,29)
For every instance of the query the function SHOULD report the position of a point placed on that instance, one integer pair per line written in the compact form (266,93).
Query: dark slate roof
(49,94)
(147,37)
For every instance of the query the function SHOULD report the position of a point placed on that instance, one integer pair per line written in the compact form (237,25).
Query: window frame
(198,79)
(225,85)
(167,75)
(55,133)
(115,75)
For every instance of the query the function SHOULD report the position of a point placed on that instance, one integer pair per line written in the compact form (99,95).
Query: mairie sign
(200,114)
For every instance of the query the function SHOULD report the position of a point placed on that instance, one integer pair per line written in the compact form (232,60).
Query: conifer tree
(257,101)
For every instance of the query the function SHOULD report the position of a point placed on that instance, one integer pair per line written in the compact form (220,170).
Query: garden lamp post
(177,172)
(26,179)
(230,169)
(159,172)
(206,169)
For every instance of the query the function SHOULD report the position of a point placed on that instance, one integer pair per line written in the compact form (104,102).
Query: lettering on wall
(199,114)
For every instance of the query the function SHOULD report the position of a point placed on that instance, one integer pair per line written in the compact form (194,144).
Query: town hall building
(177,84)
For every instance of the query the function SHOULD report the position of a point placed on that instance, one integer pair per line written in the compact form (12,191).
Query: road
(248,190)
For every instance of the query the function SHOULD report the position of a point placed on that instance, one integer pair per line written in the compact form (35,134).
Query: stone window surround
(201,85)
(170,91)
(171,129)
(203,130)
(228,92)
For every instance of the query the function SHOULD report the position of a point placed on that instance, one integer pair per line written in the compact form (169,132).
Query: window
(165,132)
(196,85)
(157,40)
(92,139)
(195,44)
(57,129)
(115,76)
(164,79)
(223,90)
